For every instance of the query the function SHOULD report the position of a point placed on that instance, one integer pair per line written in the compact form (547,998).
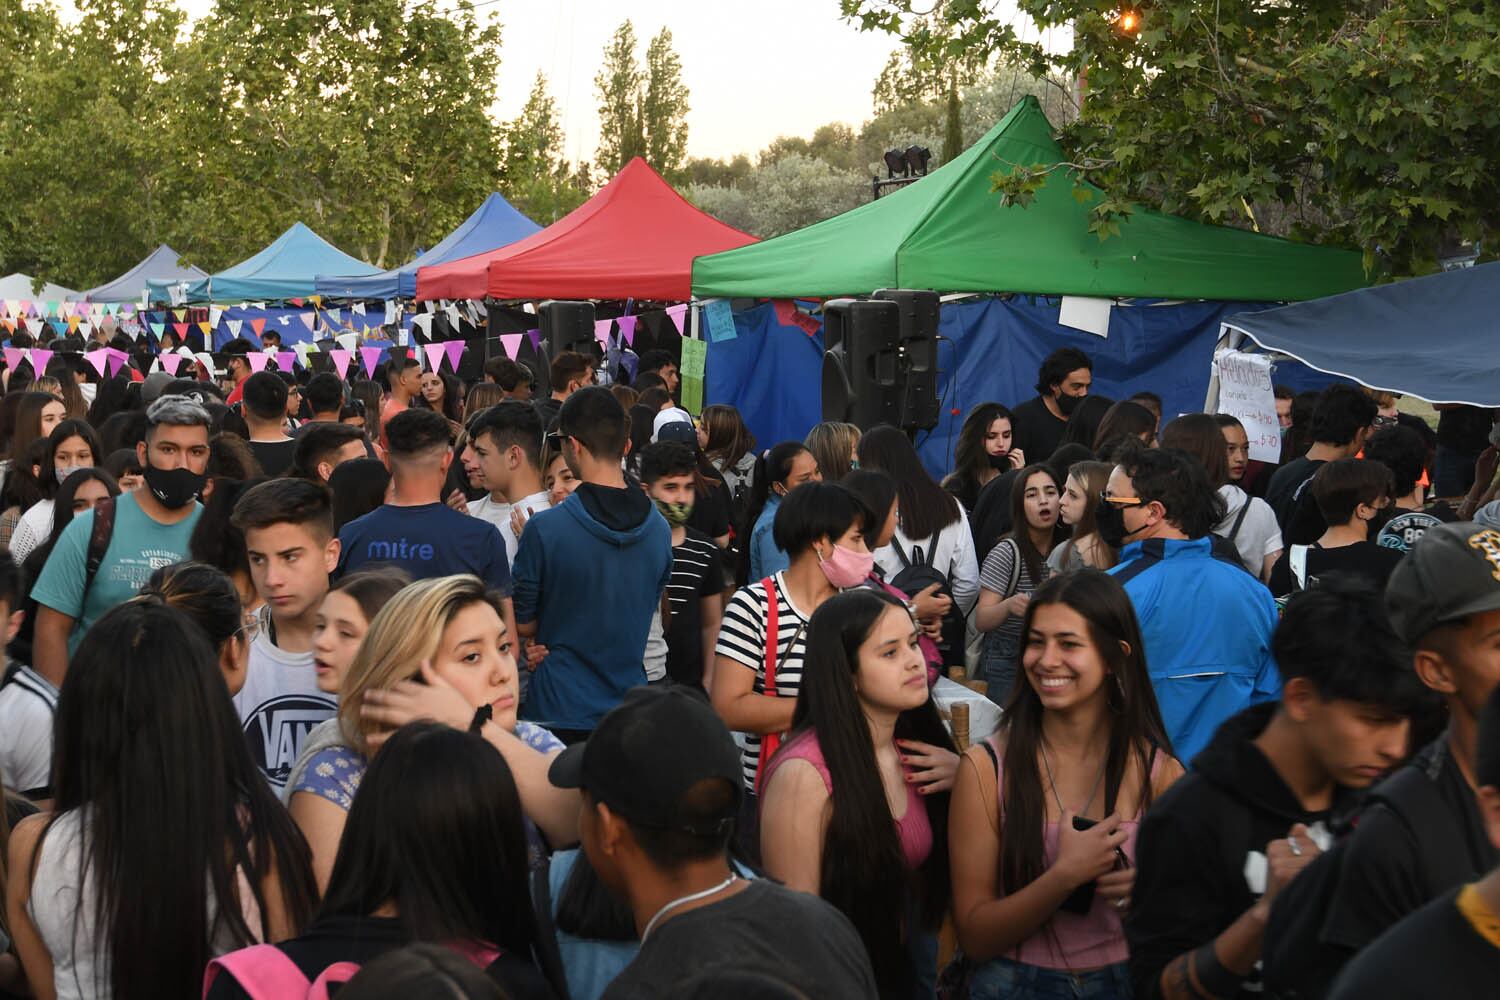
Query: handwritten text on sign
(1245,392)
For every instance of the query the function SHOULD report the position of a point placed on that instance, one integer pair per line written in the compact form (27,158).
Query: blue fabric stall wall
(992,350)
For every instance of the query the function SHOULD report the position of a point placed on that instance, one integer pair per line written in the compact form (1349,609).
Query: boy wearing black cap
(656,818)
(1449,948)
(1425,834)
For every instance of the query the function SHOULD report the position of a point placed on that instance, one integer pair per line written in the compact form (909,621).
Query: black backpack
(1296,961)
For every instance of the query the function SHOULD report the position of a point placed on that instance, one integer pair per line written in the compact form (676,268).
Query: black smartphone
(1082,898)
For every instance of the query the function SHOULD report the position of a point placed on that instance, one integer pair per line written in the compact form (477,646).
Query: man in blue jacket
(1206,622)
(589,574)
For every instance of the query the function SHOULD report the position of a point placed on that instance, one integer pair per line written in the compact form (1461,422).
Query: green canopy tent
(949,232)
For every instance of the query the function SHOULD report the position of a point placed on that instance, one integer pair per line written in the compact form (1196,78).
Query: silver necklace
(682,900)
(1058,798)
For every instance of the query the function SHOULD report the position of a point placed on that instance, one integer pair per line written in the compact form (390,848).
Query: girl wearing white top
(1248,522)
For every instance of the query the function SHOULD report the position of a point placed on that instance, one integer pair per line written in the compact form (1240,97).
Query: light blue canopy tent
(161,265)
(284,270)
(1431,337)
(495,224)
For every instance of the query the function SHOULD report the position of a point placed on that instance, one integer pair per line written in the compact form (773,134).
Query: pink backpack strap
(338,972)
(264,971)
(481,953)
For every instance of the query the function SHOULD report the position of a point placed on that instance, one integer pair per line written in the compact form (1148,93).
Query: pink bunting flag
(257,361)
(536,339)
(39,358)
(308,320)
(340,359)
(455,349)
(13,357)
(170,362)
(627,328)
(678,313)
(116,360)
(512,344)
(296,302)
(99,359)
(601,330)
(371,357)
(284,360)
(434,356)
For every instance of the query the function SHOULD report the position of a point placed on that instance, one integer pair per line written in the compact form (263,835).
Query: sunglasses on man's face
(555,441)
(1120,501)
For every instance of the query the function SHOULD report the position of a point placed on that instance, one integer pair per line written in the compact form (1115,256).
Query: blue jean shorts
(1003,979)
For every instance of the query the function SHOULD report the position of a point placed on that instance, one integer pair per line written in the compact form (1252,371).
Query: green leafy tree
(618,85)
(664,106)
(786,194)
(534,176)
(1370,123)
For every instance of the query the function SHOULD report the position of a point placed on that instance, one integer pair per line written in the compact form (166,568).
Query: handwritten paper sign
(694,355)
(720,319)
(1245,393)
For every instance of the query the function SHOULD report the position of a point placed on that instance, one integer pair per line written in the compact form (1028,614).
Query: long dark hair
(437,829)
(1020,529)
(148,743)
(205,594)
(728,437)
(926,508)
(1135,726)
(453,406)
(1124,420)
(62,432)
(970,459)
(1083,424)
(1199,435)
(28,427)
(863,869)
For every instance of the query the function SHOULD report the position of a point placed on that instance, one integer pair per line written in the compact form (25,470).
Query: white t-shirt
(951,553)
(34,528)
(534,504)
(279,705)
(1259,535)
(655,657)
(27,706)
(487,508)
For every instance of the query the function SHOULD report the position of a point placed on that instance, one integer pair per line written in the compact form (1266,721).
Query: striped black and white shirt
(28,702)
(696,574)
(742,638)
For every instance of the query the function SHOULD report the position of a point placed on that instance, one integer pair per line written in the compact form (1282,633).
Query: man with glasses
(1206,622)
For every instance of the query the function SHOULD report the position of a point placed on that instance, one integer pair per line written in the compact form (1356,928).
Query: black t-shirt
(1368,560)
(1407,527)
(763,928)
(547,408)
(362,940)
(696,574)
(711,509)
(275,457)
(990,519)
(1383,878)
(1036,431)
(1465,430)
(1436,952)
(1285,485)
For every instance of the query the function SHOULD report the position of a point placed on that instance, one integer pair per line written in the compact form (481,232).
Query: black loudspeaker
(861,362)
(919,348)
(568,326)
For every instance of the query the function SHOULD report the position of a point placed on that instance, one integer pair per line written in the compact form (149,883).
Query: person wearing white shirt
(507,439)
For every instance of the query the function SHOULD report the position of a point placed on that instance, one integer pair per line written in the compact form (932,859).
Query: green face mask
(675,513)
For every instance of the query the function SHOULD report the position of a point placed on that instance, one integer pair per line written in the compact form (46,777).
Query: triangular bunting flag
(170,362)
(358,308)
(206,327)
(39,358)
(627,328)
(316,300)
(214,315)
(284,360)
(296,302)
(9,324)
(434,356)
(601,330)
(234,327)
(180,329)
(13,356)
(536,339)
(73,322)
(455,349)
(12,307)
(99,359)
(677,312)
(308,320)
(257,361)
(340,359)
(181,314)
(348,341)
(115,359)
(157,329)
(371,357)
(512,344)
(258,324)
(85,327)
(303,350)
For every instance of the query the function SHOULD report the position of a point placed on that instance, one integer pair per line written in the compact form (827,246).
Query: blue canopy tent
(284,270)
(1431,337)
(161,265)
(495,224)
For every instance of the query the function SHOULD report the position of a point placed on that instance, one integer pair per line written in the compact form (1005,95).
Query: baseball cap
(648,752)
(666,418)
(1452,572)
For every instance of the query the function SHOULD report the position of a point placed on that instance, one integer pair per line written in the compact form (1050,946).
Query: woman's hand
(930,604)
(1115,887)
(433,699)
(1016,604)
(1017,458)
(932,769)
(458,501)
(1087,855)
(517,520)
(535,654)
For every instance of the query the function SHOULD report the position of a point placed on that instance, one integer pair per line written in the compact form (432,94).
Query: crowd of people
(533,687)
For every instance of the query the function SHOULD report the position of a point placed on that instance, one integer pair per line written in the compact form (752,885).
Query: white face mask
(64,471)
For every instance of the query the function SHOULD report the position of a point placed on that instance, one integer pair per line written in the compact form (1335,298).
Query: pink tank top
(1072,941)
(913,829)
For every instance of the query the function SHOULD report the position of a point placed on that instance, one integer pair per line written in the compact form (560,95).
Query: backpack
(1297,962)
(1224,548)
(266,973)
(916,575)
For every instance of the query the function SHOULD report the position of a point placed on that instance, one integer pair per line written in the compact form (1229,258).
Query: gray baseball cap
(1452,572)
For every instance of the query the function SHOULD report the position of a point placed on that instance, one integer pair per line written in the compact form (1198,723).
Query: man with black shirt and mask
(1062,383)
(1451,947)
(1426,834)
(151,529)
(1206,622)
(1215,851)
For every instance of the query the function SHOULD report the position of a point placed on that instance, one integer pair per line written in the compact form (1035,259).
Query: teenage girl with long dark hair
(984,451)
(1045,812)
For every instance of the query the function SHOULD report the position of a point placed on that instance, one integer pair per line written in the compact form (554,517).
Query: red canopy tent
(636,238)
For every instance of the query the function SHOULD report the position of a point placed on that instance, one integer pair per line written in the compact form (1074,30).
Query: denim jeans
(1003,979)
(998,663)
(1452,472)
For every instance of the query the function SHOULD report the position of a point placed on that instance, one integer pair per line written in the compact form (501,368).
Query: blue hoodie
(590,572)
(1207,626)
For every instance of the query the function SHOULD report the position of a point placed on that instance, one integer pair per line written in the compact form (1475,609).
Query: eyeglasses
(555,441)
(1121,501)
(1385,421)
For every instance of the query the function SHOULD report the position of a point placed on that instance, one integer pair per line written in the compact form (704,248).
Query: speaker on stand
(861,362)
(918,335)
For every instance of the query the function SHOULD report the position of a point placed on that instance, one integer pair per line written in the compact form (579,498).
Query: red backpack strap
(263,971)
(770,742)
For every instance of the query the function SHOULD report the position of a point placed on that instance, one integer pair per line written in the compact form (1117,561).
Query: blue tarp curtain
(773,373)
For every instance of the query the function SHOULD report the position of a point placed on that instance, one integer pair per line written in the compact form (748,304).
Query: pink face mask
(846,568)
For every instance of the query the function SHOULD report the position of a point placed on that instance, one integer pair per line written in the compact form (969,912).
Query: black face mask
(1000,462)
(173,488)
(1110,522)
(1382,517)
(1066,404)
